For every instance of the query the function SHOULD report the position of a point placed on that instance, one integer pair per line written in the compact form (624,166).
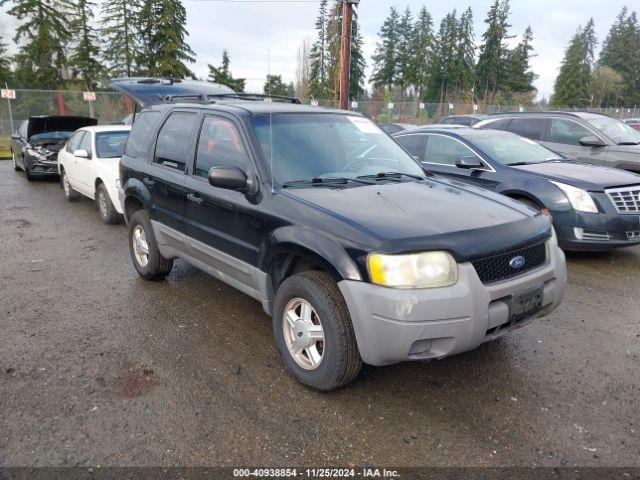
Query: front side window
(172,148)
(532,128)
(23,129)
(140,137)
(219,145)
(74,143)
(414,144)
(85,143)
(304,146)
(445,150)
(111,144)
(567,132)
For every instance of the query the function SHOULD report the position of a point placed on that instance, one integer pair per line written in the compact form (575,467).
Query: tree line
(613,79)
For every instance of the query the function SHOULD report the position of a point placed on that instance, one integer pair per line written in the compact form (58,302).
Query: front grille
(625,199)
(497,267)
(635,235)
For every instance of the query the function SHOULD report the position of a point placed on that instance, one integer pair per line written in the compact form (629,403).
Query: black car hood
(582,175)
(57,123)
(432,215)
(151,91)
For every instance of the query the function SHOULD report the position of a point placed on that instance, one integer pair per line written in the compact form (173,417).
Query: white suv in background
(89,166)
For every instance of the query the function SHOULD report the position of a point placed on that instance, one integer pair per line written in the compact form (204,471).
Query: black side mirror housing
(230,178)
(470,162)
(592,141)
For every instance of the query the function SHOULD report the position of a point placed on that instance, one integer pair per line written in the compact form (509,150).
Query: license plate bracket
(524,304)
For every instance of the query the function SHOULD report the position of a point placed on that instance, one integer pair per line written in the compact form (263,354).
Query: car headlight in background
(579,199)
(417,270)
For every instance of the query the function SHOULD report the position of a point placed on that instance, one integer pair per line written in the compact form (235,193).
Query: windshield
(303,146)
(509,148)
(111,144)
(51,135)
(616,130)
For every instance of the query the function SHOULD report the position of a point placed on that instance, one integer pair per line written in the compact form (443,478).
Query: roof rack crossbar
(255,96)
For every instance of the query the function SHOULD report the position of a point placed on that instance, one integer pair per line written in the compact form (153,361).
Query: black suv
(356,253)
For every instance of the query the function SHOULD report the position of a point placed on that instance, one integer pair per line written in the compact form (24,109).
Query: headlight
(33,153)
(418,270)
(579,199)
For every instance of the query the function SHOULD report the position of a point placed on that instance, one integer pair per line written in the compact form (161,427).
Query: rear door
(221,224)
(166,177)
(440,157)
(564,137)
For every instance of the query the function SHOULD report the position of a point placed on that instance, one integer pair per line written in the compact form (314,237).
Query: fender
(305,242)
(134,188)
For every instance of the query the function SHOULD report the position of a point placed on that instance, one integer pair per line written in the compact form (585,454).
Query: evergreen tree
(275,86)
(423,43)
(493,51)
(518,75)
(121,35)
(164,50)
(571,87)
(385,72)
(318,57)
(464,63)
(357,75)
(406,53)
(43,33)
(442,78)
(5,64)
(621,52)
(84,60)
(222,75)
(303,71)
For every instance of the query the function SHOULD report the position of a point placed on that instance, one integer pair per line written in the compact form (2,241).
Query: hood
(582,175)
(150,91)
(53,123)
(630,149)
(431,215)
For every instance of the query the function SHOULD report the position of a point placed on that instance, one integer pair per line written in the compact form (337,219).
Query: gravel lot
(99,367)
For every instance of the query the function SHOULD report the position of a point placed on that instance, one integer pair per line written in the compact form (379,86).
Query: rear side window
(532,128)
(140,136)
(567,132)
(172,147)
(219,145)
(414,144)
(74,143)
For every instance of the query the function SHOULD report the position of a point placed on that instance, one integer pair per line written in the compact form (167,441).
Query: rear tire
(337,359)
(69,193)
(105,207)
(145,254)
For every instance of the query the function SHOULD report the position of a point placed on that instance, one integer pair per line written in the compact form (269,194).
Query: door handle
(195,199)
(148,182)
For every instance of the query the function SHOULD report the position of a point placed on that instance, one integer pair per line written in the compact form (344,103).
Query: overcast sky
(249,30)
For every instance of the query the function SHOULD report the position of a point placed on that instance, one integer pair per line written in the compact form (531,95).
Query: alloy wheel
(140,246)
(303,333)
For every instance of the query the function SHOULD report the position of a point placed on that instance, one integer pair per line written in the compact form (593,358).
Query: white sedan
(89,165)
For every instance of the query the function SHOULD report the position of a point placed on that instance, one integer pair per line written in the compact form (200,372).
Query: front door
(564,137)
(222,224)
(83,169)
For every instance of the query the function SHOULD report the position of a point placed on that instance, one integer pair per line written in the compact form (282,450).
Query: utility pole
(345,70)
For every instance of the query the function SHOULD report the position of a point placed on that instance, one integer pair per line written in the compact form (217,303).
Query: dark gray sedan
(587,137)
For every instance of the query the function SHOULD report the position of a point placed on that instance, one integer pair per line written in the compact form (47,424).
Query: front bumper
(42,167)
(600,231)
(394,325)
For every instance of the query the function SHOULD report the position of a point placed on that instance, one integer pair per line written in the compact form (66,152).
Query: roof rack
(211,98)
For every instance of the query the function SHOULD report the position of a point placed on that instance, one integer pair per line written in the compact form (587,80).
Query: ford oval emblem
(517,262)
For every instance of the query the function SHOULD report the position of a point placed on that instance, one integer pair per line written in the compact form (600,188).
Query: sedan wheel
(140,246)
(13,160)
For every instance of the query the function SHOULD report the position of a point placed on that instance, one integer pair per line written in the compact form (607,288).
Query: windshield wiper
(384,175)
(326,181)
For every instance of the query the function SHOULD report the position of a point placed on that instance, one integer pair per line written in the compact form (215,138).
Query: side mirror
(82,153)
(16,136)
(470,162)
(228,177)
(592,141)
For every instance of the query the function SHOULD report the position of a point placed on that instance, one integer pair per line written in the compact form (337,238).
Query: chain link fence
(113,107)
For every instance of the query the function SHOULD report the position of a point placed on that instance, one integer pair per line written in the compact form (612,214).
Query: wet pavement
(99,367)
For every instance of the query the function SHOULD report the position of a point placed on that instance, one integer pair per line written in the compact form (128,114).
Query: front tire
(108,213)
(145,254)
(69,193)
(27,172)
(13,160)
(314,333)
